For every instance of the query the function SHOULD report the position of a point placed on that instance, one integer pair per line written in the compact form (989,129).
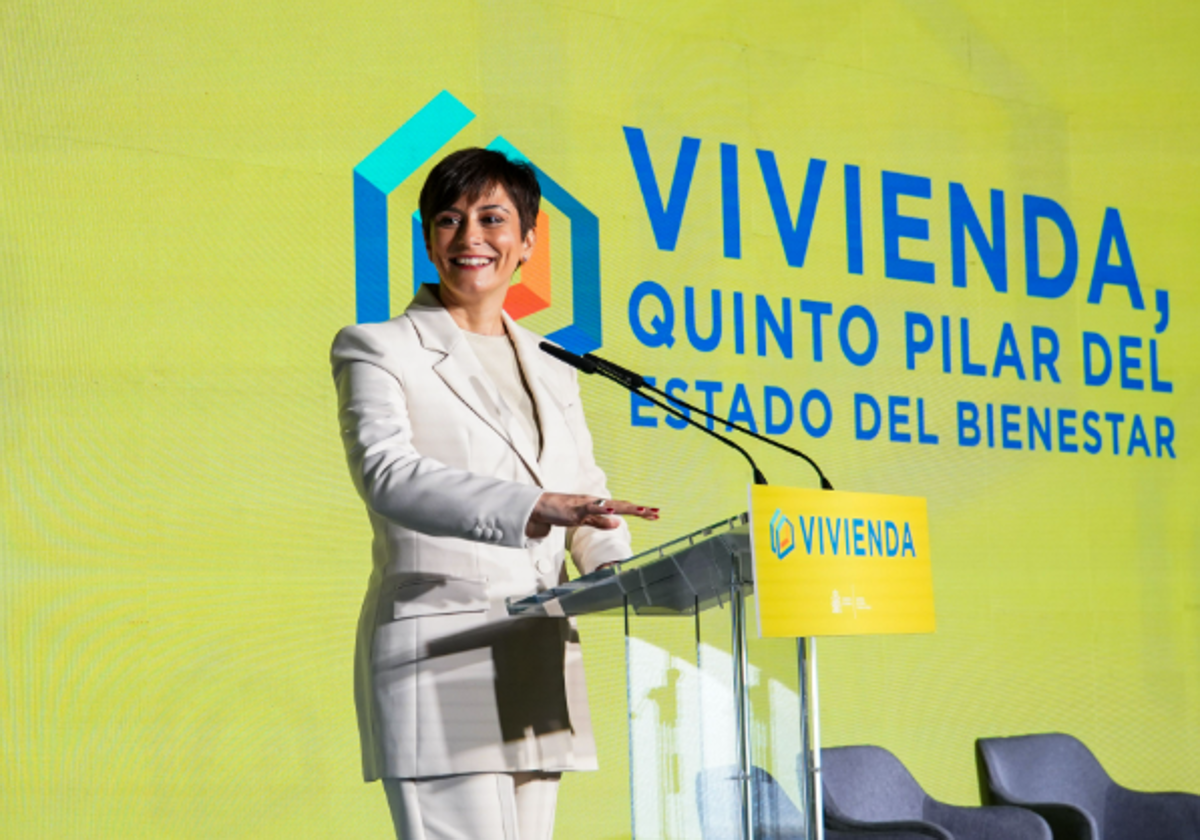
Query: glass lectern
(718,744)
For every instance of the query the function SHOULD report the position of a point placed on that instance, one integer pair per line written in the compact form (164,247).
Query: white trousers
(479,806)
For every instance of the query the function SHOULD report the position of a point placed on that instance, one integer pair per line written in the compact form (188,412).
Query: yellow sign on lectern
(828,563)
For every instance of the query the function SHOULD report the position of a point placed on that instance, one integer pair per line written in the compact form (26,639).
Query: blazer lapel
(463,375)
(550,403)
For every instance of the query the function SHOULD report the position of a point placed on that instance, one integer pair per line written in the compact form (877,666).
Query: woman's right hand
(571,510)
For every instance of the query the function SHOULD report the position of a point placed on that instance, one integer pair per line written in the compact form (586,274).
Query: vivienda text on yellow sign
(832,563)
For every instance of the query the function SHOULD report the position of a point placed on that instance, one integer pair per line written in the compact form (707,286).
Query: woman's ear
(527,245)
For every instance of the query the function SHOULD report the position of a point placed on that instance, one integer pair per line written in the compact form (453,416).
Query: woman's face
(477,246)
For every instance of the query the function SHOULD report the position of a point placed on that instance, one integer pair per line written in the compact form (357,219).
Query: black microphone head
(567,357)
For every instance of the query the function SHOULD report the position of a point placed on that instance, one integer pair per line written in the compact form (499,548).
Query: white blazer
(446,682)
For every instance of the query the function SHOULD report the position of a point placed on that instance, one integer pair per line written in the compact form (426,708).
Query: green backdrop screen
(947,248)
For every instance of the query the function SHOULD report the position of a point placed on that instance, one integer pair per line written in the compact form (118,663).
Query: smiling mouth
(472,262)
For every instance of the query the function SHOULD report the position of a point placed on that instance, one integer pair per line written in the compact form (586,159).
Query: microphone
(613,370)
(825,483)
(582,363)
(591,364)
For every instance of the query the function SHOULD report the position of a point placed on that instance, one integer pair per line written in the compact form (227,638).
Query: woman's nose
(471,230)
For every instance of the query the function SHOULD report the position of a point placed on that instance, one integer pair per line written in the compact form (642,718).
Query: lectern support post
(741,699)
(809,745)
(808,676)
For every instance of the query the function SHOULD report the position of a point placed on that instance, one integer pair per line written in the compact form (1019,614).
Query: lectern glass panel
(709,708)
(683,745)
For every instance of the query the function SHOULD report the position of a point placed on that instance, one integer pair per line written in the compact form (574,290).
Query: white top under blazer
(446,682)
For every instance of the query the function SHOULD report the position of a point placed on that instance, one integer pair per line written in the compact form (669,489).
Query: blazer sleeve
(591,547)
(394,479)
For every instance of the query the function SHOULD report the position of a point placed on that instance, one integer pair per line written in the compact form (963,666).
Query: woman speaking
(469,447)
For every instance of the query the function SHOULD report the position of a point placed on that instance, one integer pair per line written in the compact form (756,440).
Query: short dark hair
(472,172)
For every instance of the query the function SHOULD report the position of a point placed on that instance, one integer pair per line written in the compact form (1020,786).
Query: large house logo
(402,154)
(783,535)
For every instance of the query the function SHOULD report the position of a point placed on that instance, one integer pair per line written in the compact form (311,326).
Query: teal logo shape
(783,535)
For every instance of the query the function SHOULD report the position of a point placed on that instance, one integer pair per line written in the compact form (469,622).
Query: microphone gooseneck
(590,364)
(825,485)
(759,478)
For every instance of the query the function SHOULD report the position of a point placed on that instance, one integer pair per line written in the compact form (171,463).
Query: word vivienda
(856,537)
(1041,218)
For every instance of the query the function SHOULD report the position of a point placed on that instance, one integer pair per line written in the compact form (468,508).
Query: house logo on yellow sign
(783,535)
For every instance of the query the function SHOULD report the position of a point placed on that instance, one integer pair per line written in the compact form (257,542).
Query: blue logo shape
(402,154)
(783,535)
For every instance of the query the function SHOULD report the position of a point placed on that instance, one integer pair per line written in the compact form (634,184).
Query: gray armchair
(1057,776)
(868,789)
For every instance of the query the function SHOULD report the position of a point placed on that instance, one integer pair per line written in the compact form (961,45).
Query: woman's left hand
(571,510)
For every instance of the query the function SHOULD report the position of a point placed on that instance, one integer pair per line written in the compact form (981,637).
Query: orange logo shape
(531,292)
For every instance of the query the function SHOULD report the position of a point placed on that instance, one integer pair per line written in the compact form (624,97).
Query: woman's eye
(446,221)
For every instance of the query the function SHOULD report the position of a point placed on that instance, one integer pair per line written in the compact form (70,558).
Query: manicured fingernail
(610,510)
(654,510)
(641,510)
